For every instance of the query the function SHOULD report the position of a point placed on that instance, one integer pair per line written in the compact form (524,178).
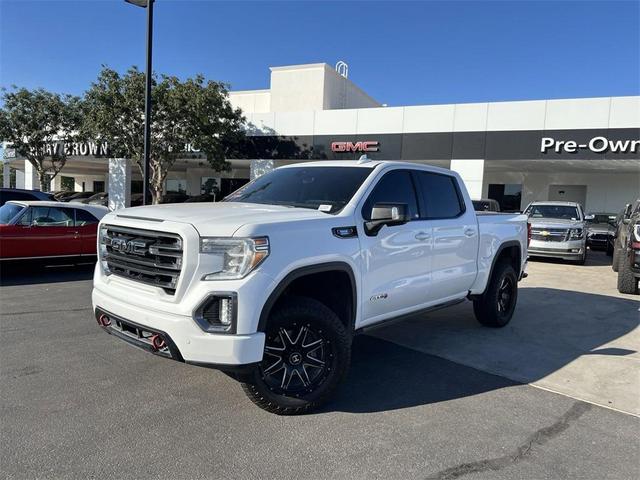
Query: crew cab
(36,230)
(271,284)
(558,230)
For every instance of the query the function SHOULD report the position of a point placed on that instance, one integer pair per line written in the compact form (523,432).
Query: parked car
(558,230)
(486,205)
(7,194)
(174,197)
(78,197)
(100,198)
(272,283)
(48,229)
(626,253)
(205,197)
(600,230)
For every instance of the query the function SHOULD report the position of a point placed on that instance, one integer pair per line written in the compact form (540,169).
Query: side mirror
(386,214)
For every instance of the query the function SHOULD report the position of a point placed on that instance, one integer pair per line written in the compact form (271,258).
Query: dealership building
(585,150)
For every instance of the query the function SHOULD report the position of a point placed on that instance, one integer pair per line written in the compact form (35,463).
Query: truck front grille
(550,234)
(146,256)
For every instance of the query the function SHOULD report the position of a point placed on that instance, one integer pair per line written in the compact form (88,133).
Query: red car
(40,229)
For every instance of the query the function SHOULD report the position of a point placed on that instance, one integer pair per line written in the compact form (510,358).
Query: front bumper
(184,339)
(571,250)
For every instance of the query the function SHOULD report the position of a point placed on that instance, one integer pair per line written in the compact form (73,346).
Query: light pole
(148,4)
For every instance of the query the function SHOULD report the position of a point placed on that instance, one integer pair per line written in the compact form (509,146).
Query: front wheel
(306,356)
(495,307)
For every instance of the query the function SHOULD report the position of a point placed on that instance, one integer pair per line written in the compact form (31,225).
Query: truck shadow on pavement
(32,273)
(446,355)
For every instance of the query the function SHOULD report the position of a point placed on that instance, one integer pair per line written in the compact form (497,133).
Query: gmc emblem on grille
(121,245)
(355,146)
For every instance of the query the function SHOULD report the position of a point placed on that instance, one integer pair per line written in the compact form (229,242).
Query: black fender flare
(302,272)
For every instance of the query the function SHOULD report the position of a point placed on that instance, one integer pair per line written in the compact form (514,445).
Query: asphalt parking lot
(556,394)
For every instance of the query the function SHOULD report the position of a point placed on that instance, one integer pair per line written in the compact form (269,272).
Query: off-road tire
(293,314)
(486,307)
(627,282)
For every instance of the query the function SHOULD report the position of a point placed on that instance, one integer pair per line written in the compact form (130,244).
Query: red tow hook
(157,342)
(104,321)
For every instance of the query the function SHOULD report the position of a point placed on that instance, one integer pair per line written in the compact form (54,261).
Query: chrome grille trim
(156,260)
(555,234)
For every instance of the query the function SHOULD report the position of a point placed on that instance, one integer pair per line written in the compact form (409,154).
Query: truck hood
(555,223)
(219,219)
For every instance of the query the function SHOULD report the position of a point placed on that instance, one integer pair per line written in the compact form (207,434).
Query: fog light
(225,311)
(217,314)
(575,250)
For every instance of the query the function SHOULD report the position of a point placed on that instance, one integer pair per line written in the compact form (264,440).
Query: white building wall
(606,192)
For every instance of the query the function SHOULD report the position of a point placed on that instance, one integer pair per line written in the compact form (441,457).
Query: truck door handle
(470,232)
(422,236)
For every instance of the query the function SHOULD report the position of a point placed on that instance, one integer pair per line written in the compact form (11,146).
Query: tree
(37,124)
(195,112)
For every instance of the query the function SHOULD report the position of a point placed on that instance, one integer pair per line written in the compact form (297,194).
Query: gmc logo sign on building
(355,146)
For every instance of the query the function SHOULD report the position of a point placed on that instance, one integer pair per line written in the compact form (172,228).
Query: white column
(472,172)
(119,183)
(260,167)
(6,175)
(19,179)
(31,179)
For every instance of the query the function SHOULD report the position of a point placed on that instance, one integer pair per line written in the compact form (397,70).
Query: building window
(67,183)
(177,185)
(210,186)
(508,195)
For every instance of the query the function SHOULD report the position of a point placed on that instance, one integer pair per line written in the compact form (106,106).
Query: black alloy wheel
(306,356)
(296,360)
(506,295)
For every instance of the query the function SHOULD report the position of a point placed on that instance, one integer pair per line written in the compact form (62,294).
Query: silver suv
(558,230)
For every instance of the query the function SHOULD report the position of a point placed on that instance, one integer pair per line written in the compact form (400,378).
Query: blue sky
(401,53)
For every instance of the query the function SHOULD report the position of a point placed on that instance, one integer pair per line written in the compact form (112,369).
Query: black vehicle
(600,230)
(626,251)
(7,194)
(174,197)
(486,205)
(101,198)
(77,197)
(205,197)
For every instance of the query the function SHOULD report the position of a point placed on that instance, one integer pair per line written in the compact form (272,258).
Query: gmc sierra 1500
(271,284)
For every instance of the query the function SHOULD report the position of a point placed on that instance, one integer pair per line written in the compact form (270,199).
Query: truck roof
(369,164)
(555,202)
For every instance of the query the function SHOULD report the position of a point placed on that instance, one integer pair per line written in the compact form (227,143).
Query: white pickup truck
(271,284)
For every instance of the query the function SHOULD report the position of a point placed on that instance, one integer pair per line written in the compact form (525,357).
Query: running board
(406,316)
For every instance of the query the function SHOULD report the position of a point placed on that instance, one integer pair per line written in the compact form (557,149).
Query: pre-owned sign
(367,146)
(596,145)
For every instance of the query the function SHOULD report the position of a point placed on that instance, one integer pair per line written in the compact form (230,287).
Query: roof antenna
(363,159)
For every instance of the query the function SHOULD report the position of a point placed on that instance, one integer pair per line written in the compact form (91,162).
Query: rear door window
(85,218)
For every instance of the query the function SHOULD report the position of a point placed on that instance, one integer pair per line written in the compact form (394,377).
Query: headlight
(234,257)
(636,232)
(576,233)
(102,250)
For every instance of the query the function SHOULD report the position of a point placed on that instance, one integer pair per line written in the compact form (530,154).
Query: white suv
(271,284)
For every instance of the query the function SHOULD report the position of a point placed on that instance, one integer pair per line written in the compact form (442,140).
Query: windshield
(327,189)
(8,211)
(562,212)
(602,218)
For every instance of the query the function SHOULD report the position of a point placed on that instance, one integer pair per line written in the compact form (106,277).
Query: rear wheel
(627,282)
(495,307)
(306,357)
